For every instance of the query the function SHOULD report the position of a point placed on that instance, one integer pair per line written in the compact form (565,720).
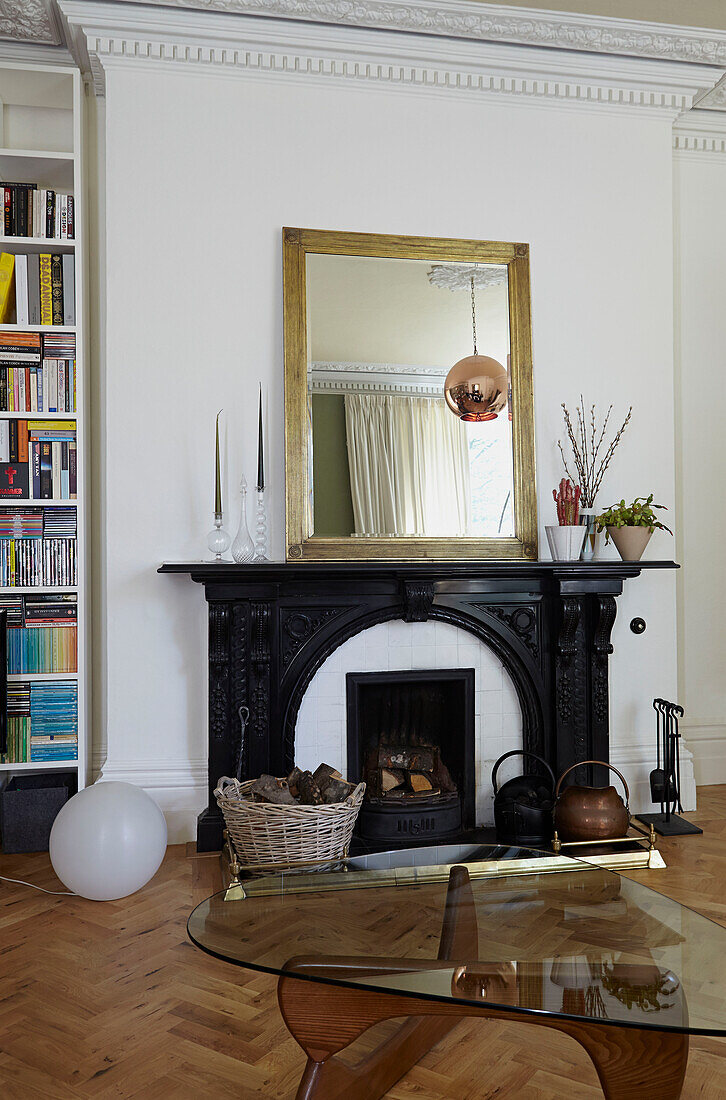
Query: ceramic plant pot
(630,541)
(566,542)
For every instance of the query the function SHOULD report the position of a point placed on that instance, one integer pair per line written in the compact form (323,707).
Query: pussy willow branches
(590,453)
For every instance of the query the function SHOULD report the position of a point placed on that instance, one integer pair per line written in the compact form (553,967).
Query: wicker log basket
(274,838)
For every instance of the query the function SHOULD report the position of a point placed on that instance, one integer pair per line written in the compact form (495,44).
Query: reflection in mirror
(387,456)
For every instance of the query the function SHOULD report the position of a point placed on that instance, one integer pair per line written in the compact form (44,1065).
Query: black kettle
(523,805)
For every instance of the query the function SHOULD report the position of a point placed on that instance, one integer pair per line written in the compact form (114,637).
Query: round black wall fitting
(637,626)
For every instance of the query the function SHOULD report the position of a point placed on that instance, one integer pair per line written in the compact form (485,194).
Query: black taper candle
(260,452)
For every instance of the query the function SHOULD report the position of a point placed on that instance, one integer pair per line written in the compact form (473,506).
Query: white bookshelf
(36,244)
(40,677)
(45,766)
(39,589)
(40,416)
(41,141)
(38,328)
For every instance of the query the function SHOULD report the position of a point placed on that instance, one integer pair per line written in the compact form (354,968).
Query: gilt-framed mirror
(377,464)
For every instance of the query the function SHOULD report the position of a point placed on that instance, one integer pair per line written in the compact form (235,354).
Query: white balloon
(108,841)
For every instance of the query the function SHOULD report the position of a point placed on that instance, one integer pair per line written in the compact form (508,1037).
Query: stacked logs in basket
(323,787)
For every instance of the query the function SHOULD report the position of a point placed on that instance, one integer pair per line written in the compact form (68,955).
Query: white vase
(566,542)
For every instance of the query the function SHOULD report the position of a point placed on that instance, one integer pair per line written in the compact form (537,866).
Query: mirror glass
(386,456)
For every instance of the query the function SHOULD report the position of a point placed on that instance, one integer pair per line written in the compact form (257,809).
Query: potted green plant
(630,526)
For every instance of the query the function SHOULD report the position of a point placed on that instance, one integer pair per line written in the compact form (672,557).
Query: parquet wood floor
(111,1000)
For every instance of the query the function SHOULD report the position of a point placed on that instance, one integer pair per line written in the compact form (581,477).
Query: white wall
(203,170)
(700,220)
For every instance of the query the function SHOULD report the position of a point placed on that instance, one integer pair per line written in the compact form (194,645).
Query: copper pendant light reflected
(476,387)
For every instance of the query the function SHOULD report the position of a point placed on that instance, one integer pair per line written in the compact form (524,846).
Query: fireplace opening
(411,739)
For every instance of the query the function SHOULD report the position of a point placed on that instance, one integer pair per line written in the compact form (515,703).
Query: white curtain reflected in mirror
(388,457)
(404,455)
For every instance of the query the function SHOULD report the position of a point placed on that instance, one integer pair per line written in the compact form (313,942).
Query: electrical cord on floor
(21,882)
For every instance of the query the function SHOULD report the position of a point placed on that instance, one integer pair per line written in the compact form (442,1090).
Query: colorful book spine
(56,282)
(46,290)
(7,266)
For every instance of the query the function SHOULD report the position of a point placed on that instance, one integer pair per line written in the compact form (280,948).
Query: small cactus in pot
(567,538)
(567,499)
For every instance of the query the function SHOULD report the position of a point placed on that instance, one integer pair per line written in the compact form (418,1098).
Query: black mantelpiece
(272,625)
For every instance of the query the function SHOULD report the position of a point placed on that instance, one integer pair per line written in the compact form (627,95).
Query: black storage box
(29,805)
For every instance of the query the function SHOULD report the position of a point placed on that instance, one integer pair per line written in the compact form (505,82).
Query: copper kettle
(591,813)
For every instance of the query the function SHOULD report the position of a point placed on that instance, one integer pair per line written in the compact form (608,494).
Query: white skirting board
(636,764)
(708,748)
(180,790)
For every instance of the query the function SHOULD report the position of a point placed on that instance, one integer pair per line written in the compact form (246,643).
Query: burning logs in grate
(323,787)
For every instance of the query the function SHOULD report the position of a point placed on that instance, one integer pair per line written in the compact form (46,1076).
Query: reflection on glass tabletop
(481,925)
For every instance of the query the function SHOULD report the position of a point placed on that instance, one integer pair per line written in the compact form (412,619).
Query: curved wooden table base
(632,1064)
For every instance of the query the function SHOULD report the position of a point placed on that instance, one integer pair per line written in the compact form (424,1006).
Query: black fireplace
(411,739)
(272,625)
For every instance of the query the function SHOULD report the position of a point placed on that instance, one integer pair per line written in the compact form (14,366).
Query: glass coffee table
(435,934)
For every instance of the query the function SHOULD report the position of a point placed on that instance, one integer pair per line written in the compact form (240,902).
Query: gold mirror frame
(302,544)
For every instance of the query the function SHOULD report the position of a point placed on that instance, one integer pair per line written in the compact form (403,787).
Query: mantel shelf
(209,572)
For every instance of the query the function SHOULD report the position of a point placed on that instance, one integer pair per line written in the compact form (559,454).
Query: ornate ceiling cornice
(487,23)
(111,35)
(701,134)
(715,100)
(30,21)
(381,378)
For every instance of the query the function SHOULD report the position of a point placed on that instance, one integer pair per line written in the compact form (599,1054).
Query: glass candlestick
(218,540)
(243,547)
(261,528)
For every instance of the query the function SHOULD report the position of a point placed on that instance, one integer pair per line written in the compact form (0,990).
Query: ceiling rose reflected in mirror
(476,387)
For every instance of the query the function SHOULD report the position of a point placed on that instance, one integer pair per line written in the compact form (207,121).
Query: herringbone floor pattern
(111,1000)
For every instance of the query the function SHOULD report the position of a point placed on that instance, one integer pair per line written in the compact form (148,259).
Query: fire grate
(411,739)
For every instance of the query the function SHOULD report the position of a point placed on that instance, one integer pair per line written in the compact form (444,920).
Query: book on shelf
(37,372)
(14,480)
(46,291)
(38,547)
(42,721)
(7,286)
(38,459)
(22,310)
(37,289)
(42,634)
(33,211)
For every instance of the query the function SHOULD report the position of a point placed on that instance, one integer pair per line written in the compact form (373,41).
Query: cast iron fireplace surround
(272,625)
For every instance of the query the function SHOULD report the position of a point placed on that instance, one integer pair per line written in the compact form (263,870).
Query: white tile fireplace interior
(320,733)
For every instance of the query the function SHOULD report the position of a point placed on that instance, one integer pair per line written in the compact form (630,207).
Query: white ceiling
(367,310)
(710,14)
